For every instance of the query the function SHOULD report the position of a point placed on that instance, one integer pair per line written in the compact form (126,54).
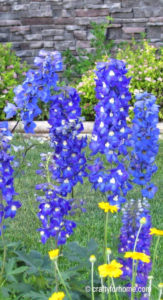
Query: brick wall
(62,24)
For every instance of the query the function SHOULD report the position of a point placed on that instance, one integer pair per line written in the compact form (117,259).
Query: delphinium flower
(39,85)
(8,207)
(135,214)
(64,169)
(145,136)
(110,135)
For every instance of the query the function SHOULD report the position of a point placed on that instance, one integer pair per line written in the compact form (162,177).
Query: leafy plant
(84,60)
(145,66)
(12,72)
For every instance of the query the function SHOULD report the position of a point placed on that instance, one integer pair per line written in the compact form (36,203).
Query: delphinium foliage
(110,132)
(144,149)
(39,85)
(64,169)
(8,207)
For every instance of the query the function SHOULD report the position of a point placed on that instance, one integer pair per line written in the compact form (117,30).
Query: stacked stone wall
(65,24)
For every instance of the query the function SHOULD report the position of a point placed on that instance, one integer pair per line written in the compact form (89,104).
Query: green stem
(92,281)
(154,254)
(134,271)
(150,287)
(137,237)
(105,238)
(62,281)
(160,294)
(4,257)
(102,285)
(116,296)
(109,292)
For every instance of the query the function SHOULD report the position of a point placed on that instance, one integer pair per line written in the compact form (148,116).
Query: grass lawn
(90,224)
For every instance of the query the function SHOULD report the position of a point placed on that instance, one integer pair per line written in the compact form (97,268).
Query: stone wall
(62,24)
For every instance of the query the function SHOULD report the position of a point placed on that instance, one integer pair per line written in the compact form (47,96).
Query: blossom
(53,254)
(156,231)
(138,256)
(39,84)
(92,258)
(8,206)
(107,207)
(63,168)
(145,136)
(57,296)
(110,136)
(112,270)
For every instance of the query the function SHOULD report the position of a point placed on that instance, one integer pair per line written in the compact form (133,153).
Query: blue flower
(8,206)
(110,135)
(65,165)
(145,136)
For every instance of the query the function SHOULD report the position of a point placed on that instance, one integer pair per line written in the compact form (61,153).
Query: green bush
(77,65)
(145,66)
(12,72)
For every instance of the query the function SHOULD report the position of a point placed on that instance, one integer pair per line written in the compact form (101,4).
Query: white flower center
(47,205)
(57,209)
(42,217)
(101,124)
(121,109)
(112,180)
(64,143)
(70,104)
(63,122)
(66,181)
(13,208)
(111,73)
(115,198)
(111,114)
(111,152)
(100,179)
(122,130)
(102,109)
(123,96)
(111,133)
(120,172)
(68,168)
(42,232)
(111,100)
(107,145)
(94,137)
(104,85)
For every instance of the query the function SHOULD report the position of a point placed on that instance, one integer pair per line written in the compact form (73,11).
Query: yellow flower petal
(138,256)
(107,207)
(112,270)
(53,254)
(156,231)
(57,296)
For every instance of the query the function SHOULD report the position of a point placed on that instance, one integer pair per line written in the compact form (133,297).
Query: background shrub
(12,72)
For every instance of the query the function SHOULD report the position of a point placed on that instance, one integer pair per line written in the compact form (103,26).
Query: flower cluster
(145,136)
(39,84)
(133,213)
(110,132)
(8,207)
(65,168)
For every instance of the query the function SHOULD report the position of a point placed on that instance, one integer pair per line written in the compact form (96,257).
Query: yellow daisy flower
(138,256)
(112,270)
(107,207)
(160,285)
(57,296)
(53,254)
(156,231)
